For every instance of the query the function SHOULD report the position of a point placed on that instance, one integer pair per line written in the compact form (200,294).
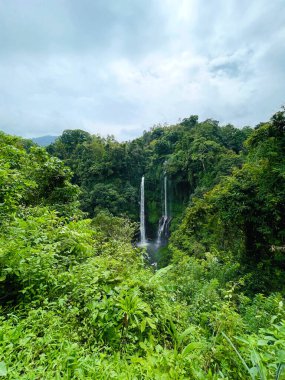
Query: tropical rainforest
(79,299)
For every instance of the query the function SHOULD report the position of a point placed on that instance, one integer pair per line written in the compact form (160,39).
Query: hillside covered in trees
(194,155)
(80,300)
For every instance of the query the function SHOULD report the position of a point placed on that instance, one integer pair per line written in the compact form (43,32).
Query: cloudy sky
(120,66)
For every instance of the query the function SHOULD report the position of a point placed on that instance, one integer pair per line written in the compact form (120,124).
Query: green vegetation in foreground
(78,301)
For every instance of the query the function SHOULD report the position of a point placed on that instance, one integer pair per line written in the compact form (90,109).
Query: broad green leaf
(3,369)
(143,325)
(191,347)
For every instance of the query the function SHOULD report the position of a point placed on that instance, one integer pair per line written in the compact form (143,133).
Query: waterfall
(161,228)
(165,196)
(142,215)
(164,220)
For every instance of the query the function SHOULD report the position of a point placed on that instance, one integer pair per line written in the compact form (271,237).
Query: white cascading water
(165,196)
(142,215)
(164,219)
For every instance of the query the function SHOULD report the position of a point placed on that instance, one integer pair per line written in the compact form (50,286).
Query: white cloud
(132,66)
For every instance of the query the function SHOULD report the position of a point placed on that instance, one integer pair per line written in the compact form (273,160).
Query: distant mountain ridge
(44,140)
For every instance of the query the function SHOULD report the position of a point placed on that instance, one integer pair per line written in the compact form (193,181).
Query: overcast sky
(120,66)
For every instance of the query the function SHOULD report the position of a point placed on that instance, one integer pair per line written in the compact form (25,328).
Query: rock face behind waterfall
(163,225)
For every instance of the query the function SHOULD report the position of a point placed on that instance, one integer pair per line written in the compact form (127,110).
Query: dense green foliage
(245,213)
(195,156)
(79,301)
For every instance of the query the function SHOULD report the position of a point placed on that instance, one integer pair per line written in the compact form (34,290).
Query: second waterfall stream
(162,232)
